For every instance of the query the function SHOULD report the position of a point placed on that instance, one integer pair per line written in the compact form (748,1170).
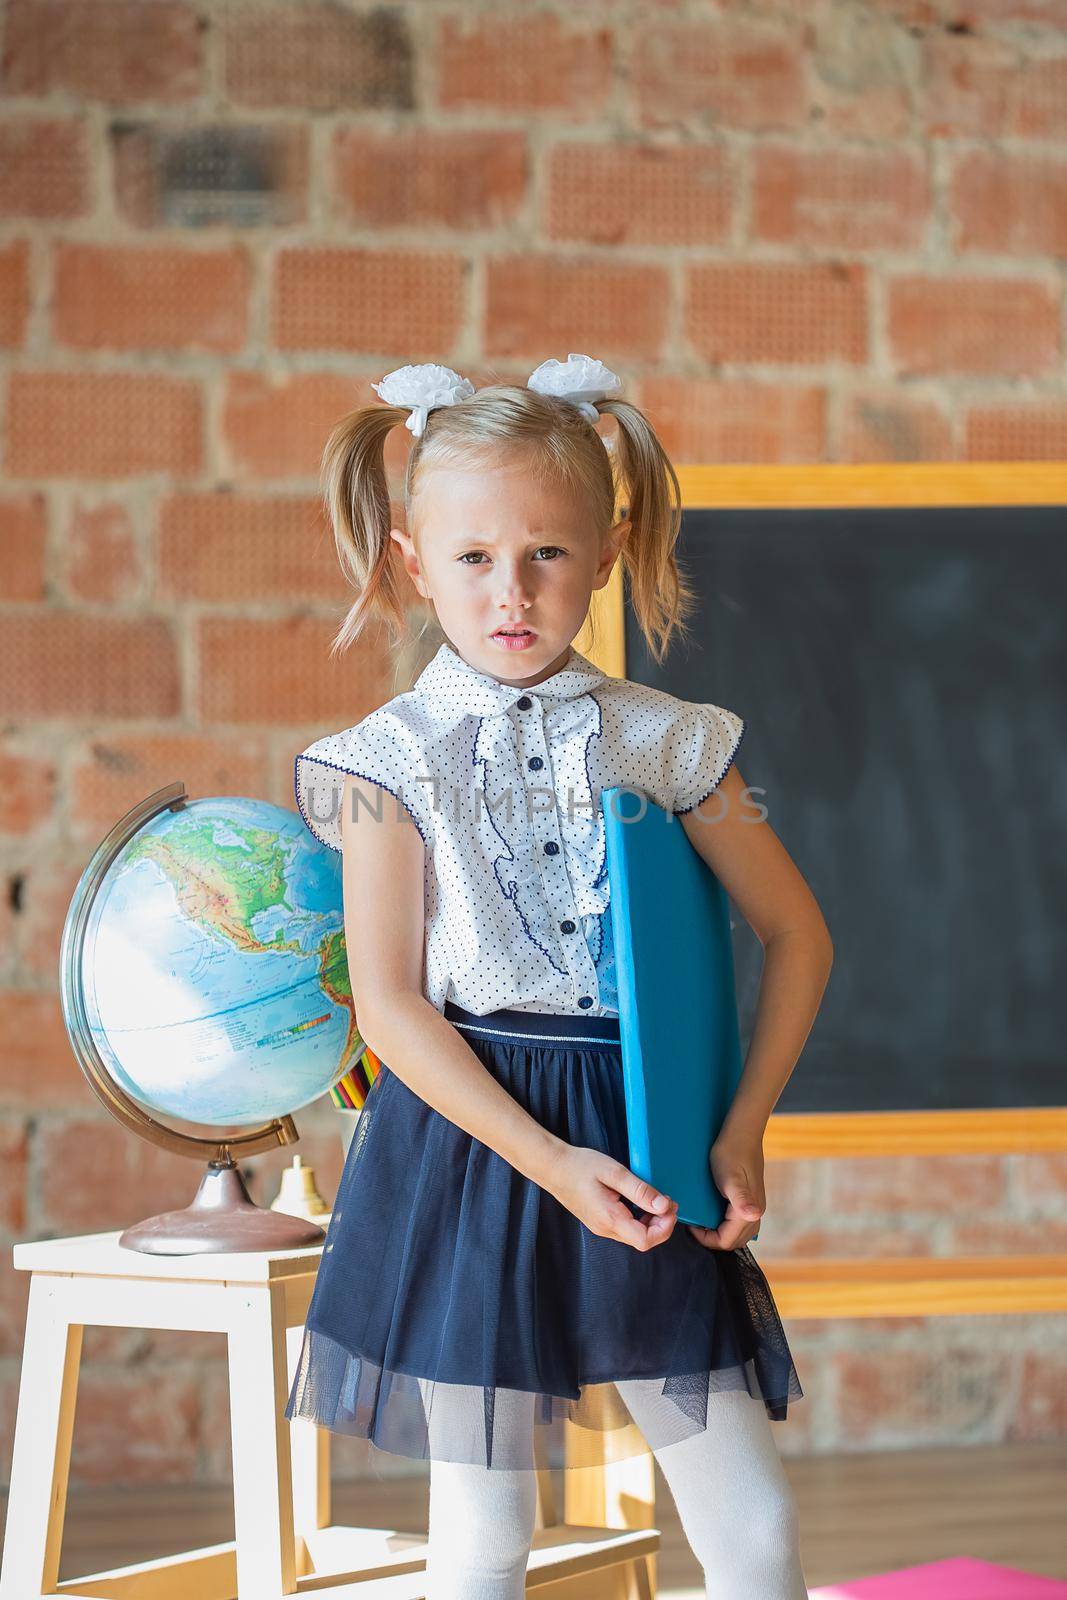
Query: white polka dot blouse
(503,784)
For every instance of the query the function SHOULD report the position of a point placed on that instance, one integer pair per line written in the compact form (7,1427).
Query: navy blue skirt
(461,1312)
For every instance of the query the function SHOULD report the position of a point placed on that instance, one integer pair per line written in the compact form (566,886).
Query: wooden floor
(860,1514)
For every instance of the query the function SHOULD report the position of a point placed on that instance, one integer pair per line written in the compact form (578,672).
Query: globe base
(223,1217)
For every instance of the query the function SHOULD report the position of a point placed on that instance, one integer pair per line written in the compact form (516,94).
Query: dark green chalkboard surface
(903,671)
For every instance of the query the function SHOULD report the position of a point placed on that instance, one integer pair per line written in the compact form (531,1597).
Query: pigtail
(356,496)
(661,597)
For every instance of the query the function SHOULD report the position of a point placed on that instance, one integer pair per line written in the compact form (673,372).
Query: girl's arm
(757,872)
(750,862)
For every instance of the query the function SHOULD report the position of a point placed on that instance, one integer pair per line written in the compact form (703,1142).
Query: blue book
(678,1025)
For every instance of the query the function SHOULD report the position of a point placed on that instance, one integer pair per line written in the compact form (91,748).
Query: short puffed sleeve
(707,739)
(381,749)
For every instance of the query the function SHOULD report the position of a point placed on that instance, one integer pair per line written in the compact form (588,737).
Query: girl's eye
(467,553)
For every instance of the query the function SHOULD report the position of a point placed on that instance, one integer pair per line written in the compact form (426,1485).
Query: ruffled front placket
(509,841)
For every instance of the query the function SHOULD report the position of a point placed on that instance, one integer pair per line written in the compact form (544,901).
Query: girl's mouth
(515,638)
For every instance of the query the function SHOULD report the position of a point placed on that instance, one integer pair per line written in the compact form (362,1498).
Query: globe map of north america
(214,974)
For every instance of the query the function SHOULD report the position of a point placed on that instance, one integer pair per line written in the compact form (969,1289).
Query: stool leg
(40,1465)
(310,1452)
(262,1466)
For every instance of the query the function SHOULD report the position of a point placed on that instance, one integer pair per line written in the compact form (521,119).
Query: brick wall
(830,231)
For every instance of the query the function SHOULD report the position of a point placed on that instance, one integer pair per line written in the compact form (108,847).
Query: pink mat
(957,1579)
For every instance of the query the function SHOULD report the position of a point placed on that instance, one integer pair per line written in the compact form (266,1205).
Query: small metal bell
(298,1195)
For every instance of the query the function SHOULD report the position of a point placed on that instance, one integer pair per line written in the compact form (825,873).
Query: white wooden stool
(284,1541)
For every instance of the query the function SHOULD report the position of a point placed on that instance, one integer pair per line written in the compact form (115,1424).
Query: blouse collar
(454,685)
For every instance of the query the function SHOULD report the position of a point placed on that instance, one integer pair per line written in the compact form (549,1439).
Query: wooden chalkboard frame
(807,1135)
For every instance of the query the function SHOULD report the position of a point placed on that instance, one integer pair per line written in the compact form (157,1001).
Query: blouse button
(566,927)
(585,1000)
(535,763)
(552,848)
(525,703)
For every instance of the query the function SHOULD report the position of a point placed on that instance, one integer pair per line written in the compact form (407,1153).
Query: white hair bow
(580,379)
(422,388)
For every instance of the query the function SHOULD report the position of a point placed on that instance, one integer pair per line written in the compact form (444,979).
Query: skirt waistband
(535,1027)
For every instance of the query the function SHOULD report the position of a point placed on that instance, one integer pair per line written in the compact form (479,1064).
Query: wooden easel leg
(44,1427)
(262,1465)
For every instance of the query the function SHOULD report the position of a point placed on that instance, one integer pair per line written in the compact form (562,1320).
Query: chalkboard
(903,674)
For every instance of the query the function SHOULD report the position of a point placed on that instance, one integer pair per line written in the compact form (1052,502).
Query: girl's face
(498,549)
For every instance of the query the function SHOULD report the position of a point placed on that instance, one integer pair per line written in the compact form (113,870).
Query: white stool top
(100,1254)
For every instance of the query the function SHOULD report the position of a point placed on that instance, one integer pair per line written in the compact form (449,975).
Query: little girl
(495,1280)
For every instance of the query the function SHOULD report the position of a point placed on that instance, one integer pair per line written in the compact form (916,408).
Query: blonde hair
(564,447)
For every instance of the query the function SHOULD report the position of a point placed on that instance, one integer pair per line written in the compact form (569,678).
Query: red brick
(861,78)
(69,665)
(701,420)
(113,771)
(277,427)
(14,1167)
(113,50)
(14,292)
(210,174)
(639,194)
(429,177)
(1009,325)
(47,880)
(1046,1235)
(39,1064)
(216,1448)
(102,559)
(387,300)
(1053,13)
(983,88)
(315,57)
(102,424)
(1012,203)
(110,1177)
(541,62)
(913,13)
(842,1238)
(137,1427)
(793,1189)
(14,1293)
(781,312)
(1041,1411)
(538,303)
(1041,1181)
(888,1396)
(23,536)
(226,546)
(44,168)
(919,1186)
(142,297)
(1018,430)
(847,199)
(891,425)
(726,72)
(279,671)
(27,790)
(882,112)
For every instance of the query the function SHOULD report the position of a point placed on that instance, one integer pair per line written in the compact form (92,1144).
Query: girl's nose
(513,589)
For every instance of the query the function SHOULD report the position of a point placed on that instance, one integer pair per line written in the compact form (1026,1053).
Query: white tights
(734,1502)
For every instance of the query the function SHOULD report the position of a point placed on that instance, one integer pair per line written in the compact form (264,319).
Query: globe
(204,977)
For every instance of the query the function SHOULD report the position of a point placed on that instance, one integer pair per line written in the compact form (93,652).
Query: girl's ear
(613,541)
(410,560)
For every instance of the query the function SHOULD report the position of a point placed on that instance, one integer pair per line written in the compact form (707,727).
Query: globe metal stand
(222,1216)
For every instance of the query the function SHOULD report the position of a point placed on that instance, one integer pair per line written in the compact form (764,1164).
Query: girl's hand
(737,1168)
(593,1186)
